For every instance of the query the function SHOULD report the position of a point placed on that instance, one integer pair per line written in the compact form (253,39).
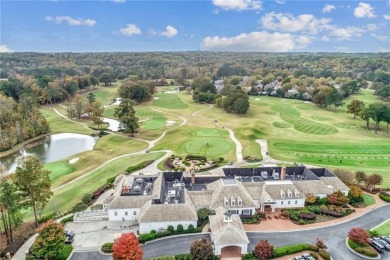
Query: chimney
(192,177)
(283,172)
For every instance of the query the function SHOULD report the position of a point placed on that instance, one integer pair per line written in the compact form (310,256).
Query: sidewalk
(288,225)
(21,253)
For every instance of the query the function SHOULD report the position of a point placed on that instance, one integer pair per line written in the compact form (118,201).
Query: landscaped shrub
(107,248)
(314,209)
(97,193)
(87,198)
(111,180)
(183,257)
(288,250)
(312,247)
(191,228)
(163,234)
(196,157)
(171,229)
(47,217)
(307,216)
(65,253)
(332,213)
(163,258)
(79,207)
(139,166)
(324,255)
(359,250)
(314,255)
(249,256)
(384,197)
(353,244)
(147,237)
(67,219)
(369,251)
(180,228)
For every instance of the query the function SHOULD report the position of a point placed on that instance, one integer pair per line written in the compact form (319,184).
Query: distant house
(219,85)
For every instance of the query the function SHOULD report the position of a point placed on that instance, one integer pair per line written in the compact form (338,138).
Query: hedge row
(288,250)
(325,255)
(169,232)
(363,249)
(139,166)
(332,213)
(384,196)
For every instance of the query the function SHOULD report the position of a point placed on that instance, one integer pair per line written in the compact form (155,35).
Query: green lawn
(383,229)
(368,200)
(59,169)
(67,197)
(171,101)
(155,122)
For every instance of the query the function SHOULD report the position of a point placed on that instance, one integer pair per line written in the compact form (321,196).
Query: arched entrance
(231,252)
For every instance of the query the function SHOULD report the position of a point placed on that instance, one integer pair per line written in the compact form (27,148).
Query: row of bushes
(107,248)
(255,219)
(138,166)
(288,250)
(170,231)
(384,196)
(64,255)
(363,249)
(196,157)
(180,257)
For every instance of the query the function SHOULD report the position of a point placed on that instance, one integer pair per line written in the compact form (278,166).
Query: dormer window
(227,217)
(296,193)
(289,193)
(232,202)
(282,194)
(239,201)
(226,202)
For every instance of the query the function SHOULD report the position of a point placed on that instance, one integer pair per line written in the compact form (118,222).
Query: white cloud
(371,27)
(238,5)
(325,38)
(303,41)
(288,23)
(380,37)
(254,41)
(130,29)
(4,48)
(347,33)
(386,16)
(328,8)
(281,2)
(71,21)
(364,10)
(169,31)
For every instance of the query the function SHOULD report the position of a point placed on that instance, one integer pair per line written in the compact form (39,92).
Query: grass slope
(384,229)
(171,101)
(59,169)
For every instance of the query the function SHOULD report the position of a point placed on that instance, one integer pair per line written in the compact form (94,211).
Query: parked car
(69,237)
(377,246)
(307,257)
(299,258)
(383,243)
(386,238)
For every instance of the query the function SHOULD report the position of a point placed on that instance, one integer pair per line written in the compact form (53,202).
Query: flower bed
(363,249)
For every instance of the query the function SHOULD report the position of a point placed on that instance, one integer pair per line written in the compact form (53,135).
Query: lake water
(53,148)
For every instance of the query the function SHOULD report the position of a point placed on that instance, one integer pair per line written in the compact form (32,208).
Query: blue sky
(210,25)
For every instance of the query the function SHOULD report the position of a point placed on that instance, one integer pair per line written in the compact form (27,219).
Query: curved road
(334,237)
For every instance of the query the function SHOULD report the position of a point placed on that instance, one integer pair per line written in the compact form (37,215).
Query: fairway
(208,132)
(281,124)
(292,116)
(207,146)
(170,101)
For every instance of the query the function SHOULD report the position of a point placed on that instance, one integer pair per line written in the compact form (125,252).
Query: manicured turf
(155,122)
(59,124)
(207,146)
(65,198)
(59,169)
(171,101)
(384,229)
(292,116)
(368,200)
(208,132)
(281,124)
(345,125)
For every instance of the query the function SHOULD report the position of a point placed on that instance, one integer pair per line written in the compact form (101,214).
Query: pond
(114,125)
(53,148)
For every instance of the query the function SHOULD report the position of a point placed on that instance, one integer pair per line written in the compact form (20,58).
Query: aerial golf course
(296,131)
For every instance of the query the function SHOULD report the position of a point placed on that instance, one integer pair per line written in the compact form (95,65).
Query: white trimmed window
(282,194)
(126,213)
(289,193)
(232,202)
(289,202)
(116,213)
(296,193)
(281,203)
(134,213)
(296,202)
(226,202)
(239,201)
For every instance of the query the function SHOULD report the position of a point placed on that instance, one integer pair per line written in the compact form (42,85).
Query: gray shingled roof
(335,182)
(227,232)
(169,212)
(274,190)
(254,189)
(312,187)
(200,198)
(221,191)
(129,202)
(108,200)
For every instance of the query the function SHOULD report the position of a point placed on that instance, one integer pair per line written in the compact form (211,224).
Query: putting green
(208,132)
(208,146)
(166,100)
(292,116)
(155,122)
(59,169)
(281,124)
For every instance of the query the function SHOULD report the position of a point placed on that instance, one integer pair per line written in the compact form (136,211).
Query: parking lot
(91,235)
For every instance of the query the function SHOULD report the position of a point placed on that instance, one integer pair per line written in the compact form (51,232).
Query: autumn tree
(97,114)
(360,176)
(33,184)
(125,113)
(201,249)
(345,176)
(320,243)
(374,179)
(50,240)
(355,107)
(127,248)
(263,250)
(204,213)
(355,192)
(358,235)
(338,198)
(310,198)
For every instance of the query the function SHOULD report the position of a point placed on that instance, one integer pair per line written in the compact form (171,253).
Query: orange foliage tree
(127,248)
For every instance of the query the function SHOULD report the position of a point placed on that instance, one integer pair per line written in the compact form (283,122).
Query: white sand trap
(156,98)
(170,122)
(74,160)
(257,98)
(307,102)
